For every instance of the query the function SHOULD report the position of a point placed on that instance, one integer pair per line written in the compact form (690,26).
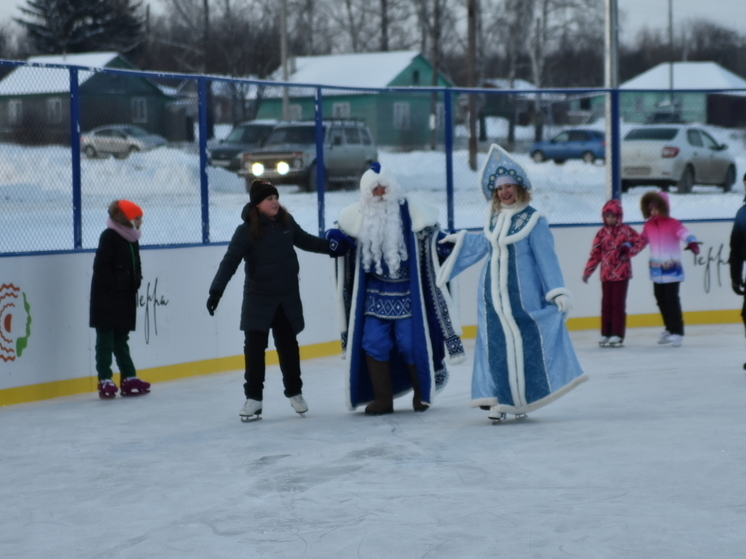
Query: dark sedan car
(587,145)
(246,136)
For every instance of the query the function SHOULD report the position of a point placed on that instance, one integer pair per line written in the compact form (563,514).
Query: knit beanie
(130,209)
(261,189)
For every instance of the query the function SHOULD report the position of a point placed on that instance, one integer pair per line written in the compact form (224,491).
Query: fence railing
(73,138)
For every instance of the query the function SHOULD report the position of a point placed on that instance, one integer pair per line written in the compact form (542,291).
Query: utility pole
(471,61)
(284,58)
(670,52)
(611,81)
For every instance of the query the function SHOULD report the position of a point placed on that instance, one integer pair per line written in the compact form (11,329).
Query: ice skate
(299,404)
(495,415)
(251,410)
(107,389)
(676,340)
(520,416)
(664,337)
(133,386)
(604,341)
(616,341)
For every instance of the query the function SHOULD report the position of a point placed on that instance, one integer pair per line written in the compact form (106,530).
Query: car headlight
(283,168)
(257,169)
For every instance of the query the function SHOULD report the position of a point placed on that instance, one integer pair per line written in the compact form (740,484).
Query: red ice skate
(133,386)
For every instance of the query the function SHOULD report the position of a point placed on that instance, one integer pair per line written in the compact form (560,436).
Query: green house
(35,101)
(397,119)
(653,93)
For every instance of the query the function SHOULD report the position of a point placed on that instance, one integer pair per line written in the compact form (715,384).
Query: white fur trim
(453,311)
(350,219)
(444,273)
(423,213)
(533,406)
(557,291)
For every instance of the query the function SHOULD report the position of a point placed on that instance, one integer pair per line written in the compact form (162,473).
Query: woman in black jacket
(266,240)
(117,275)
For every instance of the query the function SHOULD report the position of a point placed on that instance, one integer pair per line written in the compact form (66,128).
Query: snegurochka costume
(411,295)
(523,357)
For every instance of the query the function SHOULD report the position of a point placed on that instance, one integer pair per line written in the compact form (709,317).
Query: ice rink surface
(646,460)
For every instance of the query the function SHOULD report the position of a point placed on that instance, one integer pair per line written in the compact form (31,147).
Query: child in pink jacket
(665,234)
(614,245)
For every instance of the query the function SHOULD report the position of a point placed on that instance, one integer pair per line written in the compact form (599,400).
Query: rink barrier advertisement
(47,348)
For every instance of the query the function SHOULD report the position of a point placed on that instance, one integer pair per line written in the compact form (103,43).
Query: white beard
(381,235)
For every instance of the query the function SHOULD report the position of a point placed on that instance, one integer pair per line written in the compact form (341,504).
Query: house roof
(687,75)
(26,80)
(366,69)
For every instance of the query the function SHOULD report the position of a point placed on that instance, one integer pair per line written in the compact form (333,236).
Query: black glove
(737,287)
(212,302)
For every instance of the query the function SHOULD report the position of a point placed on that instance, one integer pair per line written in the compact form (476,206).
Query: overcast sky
(633,13)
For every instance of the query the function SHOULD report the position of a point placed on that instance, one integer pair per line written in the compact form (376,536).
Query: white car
(675,154)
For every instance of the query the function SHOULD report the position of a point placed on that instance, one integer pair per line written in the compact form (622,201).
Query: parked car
(289,154)
(118,140)
(584,144)
(674,154)
(246,136)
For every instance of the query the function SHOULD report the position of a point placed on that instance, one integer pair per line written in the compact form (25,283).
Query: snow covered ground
(35,188)
(646,460)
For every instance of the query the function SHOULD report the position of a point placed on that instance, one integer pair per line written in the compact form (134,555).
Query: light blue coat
(523,358)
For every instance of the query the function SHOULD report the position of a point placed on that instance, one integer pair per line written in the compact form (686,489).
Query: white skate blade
(250,418)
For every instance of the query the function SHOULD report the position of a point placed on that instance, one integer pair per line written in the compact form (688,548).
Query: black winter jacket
(117,274)
(271,270)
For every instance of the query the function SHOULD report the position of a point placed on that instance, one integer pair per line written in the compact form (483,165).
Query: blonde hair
(521,195)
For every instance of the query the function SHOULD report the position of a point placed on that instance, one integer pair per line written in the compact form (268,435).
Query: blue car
(584,144)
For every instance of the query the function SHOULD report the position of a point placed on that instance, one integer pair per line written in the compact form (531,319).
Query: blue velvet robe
(436,337)
(523,358)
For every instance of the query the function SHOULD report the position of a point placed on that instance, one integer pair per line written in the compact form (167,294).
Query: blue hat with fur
(499,169)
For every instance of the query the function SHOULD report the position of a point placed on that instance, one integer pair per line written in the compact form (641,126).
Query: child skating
(613,247)
(665,234)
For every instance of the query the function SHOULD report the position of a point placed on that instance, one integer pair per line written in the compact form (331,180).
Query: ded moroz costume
(523,357)
(397,329)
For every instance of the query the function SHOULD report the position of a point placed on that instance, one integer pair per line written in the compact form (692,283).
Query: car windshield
(292,135)
(246,134)
(134,131)
(651,134)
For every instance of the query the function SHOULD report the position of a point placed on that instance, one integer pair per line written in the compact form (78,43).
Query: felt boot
(417,395)
(380,378)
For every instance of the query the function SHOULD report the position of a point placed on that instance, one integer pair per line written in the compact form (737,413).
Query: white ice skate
(675,340)
(251,410)
(604,341)
(664,337)
(299,404)
(616,341)
(495,415)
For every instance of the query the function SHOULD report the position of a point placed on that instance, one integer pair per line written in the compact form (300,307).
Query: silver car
(289,154)
(119,140)
(675,154)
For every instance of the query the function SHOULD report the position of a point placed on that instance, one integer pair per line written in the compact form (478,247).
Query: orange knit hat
(130,209)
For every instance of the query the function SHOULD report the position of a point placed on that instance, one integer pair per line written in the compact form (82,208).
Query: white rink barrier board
(47,348)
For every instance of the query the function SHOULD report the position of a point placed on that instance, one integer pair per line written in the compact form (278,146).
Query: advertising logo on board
(15,322)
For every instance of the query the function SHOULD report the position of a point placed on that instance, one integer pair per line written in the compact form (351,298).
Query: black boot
(380,378)
(417,396)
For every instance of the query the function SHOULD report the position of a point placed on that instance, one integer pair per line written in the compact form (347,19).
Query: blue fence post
(616,152)
(202,101)
(320,171)
(75,145)
(448,126)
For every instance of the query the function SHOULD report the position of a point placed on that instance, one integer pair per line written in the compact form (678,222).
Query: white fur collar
(422,213)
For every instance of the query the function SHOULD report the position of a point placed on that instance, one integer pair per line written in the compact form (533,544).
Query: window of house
(15,111)
(139,109)
(54,110)
(341,110)
(295,112)
(401,116)
(416,77)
